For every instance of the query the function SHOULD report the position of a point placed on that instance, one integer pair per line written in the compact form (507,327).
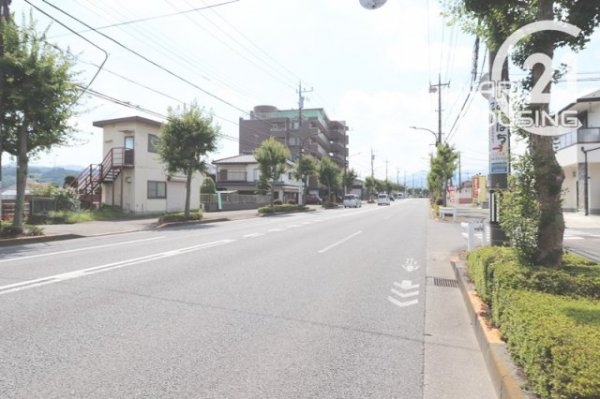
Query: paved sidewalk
(54,232)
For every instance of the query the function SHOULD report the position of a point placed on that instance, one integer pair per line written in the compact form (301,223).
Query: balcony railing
(579,136)
(229,176)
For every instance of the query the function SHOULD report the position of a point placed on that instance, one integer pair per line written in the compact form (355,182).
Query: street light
(586,177)
(438,136)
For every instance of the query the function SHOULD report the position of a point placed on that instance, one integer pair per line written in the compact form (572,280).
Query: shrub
(31,230)
(549,317)
(519,210)
(10,231)
(277,202)
(556,341)
(291,202)
(282,208)
(179,217)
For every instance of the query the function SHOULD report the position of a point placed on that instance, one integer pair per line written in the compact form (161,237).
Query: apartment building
(309,130)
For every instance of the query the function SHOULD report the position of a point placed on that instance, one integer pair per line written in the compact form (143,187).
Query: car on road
(352,201)
(383,199)
(312,199)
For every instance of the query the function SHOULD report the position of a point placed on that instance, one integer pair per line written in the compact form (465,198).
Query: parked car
(383,199)
(352,201)
(311,199)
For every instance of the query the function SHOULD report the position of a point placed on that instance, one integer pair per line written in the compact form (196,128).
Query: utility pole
(386,170)
(372,172)
(4,17)
(459,174)
(300,92)
(438,88)
(372,159)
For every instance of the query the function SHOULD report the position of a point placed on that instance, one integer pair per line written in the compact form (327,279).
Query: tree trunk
(22,164)
(548,173)
(188,191)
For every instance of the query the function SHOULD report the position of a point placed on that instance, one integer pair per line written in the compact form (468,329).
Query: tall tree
(307,166)
(272,157)
(370,186)
(184,140)
(495,20)
(442,168)
(40,93)
(349,178)
(329,175)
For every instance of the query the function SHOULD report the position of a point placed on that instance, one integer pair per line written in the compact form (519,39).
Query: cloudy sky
(371,68)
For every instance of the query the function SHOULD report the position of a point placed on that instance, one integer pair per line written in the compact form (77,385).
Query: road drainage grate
(445,282)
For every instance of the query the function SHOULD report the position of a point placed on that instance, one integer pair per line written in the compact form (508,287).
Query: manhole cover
(445,282)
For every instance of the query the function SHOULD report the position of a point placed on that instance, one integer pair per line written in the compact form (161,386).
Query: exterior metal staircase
(89,182)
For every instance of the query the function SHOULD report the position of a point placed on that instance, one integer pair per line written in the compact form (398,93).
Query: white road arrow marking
(406,285)
(402,304)
(407,295)
(410,265)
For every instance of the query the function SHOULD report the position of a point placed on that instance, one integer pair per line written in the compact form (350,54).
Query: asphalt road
(317,305)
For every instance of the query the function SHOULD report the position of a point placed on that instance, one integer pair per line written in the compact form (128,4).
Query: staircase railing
(88,183)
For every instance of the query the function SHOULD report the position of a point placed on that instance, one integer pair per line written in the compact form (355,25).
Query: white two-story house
(241,173)
(131,175)
(578,152)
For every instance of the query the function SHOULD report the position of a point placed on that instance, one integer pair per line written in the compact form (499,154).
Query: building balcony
(229,176)
(337,134)
(579,136)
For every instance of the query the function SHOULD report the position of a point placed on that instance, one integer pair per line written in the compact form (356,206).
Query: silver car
(352,201)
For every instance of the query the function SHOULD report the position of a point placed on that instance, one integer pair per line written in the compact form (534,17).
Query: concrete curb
(5,242)
(506,377)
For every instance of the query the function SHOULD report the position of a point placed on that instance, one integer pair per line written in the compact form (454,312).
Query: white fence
(477,234)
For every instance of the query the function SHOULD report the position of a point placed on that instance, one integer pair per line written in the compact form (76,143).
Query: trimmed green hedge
(556,341)
(549,317)
(180,217)
(282,208)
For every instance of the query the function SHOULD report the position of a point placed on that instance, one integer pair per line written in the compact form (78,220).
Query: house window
(157,190)
(222,174)
(152,143)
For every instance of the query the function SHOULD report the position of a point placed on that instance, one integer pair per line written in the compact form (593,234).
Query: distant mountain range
(42,174)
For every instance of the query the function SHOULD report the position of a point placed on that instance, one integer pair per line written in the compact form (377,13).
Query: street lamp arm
(436,135)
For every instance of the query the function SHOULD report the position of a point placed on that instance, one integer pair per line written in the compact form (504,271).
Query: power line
(147,59)
(135,21)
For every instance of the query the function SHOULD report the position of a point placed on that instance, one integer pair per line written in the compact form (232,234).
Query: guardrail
(477,234)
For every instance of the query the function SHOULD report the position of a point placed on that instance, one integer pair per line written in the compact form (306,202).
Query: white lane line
(573,238)
(293,226)
(254,235)
(275,230)
(68,251)
(335,244)
(7,289)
